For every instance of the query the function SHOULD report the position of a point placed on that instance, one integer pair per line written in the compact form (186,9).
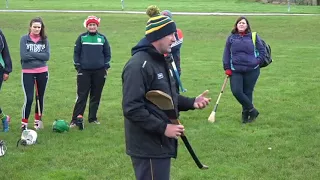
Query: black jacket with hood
(145,123)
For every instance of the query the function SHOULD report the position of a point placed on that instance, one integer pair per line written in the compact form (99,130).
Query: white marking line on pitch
(175,13)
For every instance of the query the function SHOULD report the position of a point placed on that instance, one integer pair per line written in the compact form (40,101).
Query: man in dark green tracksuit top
(91,59)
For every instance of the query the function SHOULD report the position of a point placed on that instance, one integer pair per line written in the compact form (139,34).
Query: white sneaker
(72,125)
(95,122)
(24,126)
(38,124)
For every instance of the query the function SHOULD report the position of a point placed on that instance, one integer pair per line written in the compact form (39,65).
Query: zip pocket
(161,142)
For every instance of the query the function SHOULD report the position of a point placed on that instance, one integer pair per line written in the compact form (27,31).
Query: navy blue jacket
(239,53)
(92,52)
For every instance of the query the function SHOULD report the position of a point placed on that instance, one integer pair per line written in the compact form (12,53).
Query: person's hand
(173,131)
(202,101)
(5,76)
(228,72)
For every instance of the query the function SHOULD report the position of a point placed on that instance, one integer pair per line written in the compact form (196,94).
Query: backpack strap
(254,36)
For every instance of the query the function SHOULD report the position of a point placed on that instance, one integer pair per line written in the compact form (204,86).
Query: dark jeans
(242,86)
(151,169)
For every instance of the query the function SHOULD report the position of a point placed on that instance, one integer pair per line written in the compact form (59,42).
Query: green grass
(177,5)
(286,95)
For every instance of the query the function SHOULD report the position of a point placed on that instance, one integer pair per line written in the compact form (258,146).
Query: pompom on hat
(158,26)
(91,19)
(167,13)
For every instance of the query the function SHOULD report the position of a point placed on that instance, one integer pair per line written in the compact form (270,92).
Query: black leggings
(28,86)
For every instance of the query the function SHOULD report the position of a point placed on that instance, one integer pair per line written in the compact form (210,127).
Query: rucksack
(267,59)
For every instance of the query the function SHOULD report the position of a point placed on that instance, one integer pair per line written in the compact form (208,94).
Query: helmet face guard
(3,148)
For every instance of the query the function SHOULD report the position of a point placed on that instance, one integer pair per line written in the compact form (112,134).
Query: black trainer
(80,122)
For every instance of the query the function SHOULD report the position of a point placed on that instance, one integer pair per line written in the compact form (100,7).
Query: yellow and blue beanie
(158,26)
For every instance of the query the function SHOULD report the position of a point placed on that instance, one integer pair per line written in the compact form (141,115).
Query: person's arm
(134,79)
(185,103)
(24,54)
(43,56)
(200,102)
(77,53)
(227,55)
(6,55)
(106,53)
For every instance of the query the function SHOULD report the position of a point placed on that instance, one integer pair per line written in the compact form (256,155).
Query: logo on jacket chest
(160,76)
(35,47)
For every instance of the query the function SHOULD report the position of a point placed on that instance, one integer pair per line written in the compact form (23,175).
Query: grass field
(287,96)
(177,5)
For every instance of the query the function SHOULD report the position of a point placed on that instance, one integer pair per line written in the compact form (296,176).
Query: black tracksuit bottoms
(29,88)
(151,168)
(89,81)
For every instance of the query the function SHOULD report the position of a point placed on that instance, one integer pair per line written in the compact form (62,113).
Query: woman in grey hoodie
(34,53)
